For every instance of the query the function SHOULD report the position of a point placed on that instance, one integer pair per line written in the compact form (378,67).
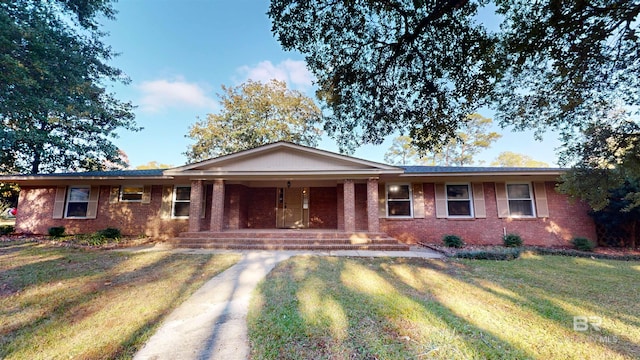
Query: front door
(291,208)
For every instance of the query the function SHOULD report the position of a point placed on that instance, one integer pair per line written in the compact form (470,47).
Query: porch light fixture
(288,184)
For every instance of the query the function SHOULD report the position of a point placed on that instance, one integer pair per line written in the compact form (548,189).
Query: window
(520,200)
(77,201)
(132,193)
(399,200)
(459,200)
(181,201)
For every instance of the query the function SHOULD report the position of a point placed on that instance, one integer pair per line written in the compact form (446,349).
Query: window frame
(531,199)
(174,201)
(68,201)
(121,199)
(469,200)
(410,200)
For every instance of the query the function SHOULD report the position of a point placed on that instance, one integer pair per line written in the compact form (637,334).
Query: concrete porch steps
(288,240)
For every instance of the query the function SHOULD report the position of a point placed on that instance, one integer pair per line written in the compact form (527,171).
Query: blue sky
(179,53)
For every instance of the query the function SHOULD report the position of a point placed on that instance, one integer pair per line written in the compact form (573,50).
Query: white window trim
(469,200)
(122,193)
(173,201)
(531,199)
(386,196)
(66,204)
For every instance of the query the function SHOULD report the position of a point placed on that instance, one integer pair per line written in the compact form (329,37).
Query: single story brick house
(282,186)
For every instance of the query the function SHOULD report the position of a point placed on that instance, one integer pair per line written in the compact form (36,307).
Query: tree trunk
(35,164)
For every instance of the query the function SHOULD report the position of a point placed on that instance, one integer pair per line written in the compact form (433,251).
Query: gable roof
(283,159)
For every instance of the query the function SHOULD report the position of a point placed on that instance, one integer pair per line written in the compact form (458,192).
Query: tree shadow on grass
(75,287)
(410,308)
(361,316)
(546,305)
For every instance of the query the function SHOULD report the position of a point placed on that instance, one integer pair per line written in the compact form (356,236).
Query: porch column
(195,205)
(349,199)
(373,222)
(217,206)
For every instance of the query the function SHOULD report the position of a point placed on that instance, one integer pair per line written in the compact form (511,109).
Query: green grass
(365,308)
(66,303)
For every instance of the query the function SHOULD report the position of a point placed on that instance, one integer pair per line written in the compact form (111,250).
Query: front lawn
(58,303)
(385,308)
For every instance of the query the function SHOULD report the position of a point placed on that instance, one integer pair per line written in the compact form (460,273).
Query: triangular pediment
(283,158)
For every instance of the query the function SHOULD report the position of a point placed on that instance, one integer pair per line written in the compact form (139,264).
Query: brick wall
(361,207)
(566,220)
(236,210)
(132,218)
(261,208)
(322,208)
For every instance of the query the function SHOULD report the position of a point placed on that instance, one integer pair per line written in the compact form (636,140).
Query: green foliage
(100,237)
(54,109)
(7,229)
(583,244)
(153,165)
(111,233)
(420,67)
(382,67)
(620,214)
(56,231)
(578,253)
(489,254)
(512,240)
(473,138)
(402,152)
(607,164)
(255,114)
(9,195)
(452,241)
(512,159)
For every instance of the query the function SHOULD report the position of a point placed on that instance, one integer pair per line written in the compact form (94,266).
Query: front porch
(340,205)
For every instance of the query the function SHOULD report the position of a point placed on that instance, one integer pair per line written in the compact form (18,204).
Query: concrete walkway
(211,324)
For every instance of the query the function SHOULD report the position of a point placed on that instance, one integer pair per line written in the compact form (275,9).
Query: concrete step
(316,247)
(288,240)
(297,234)
(344,241)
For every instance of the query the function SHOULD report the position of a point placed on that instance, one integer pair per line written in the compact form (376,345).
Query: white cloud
(293,72)
(160,94)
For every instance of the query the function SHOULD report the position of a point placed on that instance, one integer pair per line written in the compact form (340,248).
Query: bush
(7,229)
(512,240)
(56,231)
(452,241)
(489,254)
(111,233)
(583,244)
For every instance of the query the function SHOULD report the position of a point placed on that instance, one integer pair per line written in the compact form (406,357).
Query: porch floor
(288,239)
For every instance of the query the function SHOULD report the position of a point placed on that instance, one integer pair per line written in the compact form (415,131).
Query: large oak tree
(421,66)
(253,114)
(55,111)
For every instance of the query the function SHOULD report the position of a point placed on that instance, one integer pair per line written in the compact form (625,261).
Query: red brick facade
(566,220)
(132,218)
(254,207)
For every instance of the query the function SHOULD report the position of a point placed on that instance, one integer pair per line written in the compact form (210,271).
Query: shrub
(452,241)
(583,244)
(489,254)
(512,240)
(6,229)
(56,231)
(110,233)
